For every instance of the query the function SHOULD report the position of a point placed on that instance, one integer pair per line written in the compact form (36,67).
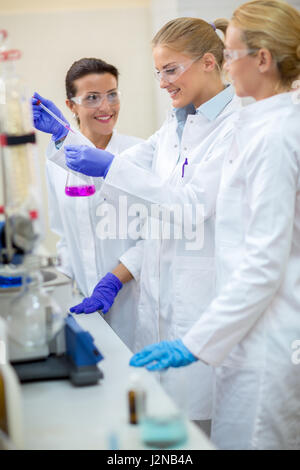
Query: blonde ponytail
(221,24)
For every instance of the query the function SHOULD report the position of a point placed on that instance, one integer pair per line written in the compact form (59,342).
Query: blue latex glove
(46,123)
(163,355)
(103,296)
(88,160)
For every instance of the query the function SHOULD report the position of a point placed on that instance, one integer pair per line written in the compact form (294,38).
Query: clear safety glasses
(230,55)
(93,100)
(171,73)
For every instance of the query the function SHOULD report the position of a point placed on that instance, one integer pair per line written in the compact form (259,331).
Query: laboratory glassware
(75,186)
(34,318)
(136,399)
(20,170)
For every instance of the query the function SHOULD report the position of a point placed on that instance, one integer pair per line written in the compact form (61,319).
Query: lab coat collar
(112,144)
(259,108)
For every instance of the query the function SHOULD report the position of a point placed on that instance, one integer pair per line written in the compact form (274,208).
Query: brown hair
(193,36)
(274,25)
(86,66)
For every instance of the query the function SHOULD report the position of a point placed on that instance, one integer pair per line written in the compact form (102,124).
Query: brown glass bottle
(132,403)
(136,400)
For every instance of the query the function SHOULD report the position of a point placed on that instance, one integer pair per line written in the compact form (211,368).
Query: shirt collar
(213,107)
(182,113)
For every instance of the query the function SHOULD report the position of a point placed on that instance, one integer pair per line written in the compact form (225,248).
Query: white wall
(52,40)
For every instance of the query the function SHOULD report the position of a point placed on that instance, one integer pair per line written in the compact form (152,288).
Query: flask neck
(32,279)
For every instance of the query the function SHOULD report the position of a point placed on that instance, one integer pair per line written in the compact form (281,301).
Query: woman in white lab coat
(84,256)
(250,333)
(175,272)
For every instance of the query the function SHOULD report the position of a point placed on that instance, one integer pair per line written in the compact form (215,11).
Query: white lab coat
(249,331)
(85,257)
(176,284)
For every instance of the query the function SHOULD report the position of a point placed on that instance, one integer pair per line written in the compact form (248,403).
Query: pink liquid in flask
(79,191)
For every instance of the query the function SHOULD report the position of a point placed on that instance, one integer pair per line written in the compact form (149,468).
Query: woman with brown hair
(94,99)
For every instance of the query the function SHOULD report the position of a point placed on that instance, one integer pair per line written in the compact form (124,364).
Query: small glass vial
(136,399)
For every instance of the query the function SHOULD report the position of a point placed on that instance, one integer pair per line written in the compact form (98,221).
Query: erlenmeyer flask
(79,187)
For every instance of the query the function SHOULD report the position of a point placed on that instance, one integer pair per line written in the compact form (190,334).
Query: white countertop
(58,415)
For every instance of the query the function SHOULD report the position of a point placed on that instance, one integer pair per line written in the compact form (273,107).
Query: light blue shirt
(211,109)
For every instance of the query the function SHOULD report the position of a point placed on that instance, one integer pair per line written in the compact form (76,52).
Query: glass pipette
(63,123)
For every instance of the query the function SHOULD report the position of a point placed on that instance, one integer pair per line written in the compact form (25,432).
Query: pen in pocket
(185,163)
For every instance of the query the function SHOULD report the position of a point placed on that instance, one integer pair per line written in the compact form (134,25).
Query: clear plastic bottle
(34,318)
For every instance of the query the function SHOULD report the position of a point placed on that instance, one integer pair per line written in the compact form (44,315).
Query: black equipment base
(57,367)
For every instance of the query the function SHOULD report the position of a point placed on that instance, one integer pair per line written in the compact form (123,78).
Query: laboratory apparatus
(3,47)
(42,341)
(3,39)
(20,177)
(34,318)
(163,425)
(75,187)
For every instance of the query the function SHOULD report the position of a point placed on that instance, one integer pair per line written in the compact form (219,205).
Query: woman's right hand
(46,123)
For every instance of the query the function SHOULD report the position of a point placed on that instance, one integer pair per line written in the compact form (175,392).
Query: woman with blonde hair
(173,272)
(250,333)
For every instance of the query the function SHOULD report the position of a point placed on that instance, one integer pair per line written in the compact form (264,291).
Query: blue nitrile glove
(163,355)
(88,160)
(46,123)
(103,296)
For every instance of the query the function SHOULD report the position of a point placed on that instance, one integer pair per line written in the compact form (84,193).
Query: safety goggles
(172,73)
(230,55)
(93,100)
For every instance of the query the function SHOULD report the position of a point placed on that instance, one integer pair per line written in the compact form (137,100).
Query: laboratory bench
(59,415)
